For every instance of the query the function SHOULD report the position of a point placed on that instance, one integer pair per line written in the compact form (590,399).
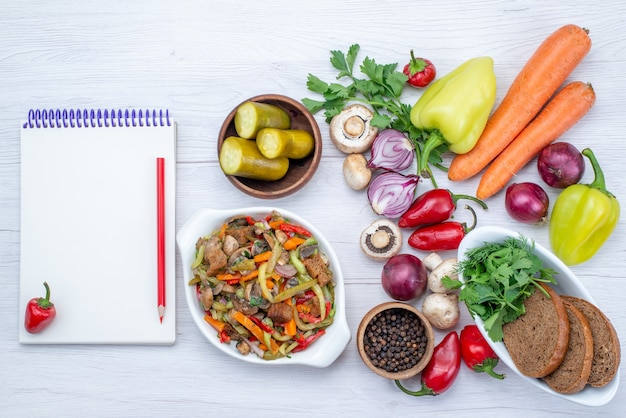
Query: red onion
(391,194)
(527,203)
(560,165)
(391,150)
(404,277)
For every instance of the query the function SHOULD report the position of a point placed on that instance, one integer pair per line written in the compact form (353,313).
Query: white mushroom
(381,240)
(447,268)
(442,309)
(431,261)
(351,131)
(355,171)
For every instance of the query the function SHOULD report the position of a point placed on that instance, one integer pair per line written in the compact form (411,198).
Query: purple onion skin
(404,277)
(527,203)
(560,165)
(391,150)
(390,194)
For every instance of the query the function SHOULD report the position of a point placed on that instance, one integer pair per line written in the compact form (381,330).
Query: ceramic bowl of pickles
(269,146)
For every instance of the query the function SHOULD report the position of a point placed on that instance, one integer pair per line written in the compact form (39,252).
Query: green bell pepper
(455,108)
(583,217)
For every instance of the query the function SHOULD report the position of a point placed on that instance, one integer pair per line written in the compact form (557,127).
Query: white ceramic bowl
(568,284)
(324,351)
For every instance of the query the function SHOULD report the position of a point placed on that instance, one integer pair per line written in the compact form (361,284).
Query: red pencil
(161,236)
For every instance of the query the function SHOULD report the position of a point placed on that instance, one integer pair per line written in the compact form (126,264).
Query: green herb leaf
(497,278)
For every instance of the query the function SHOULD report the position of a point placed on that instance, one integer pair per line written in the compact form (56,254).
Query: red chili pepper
(304,343)
(440,237)
(434,206)
(262,324)
(309,318)
(309,294)
(476,352)
(442,369)
(250,220)
(40,312)
(420,71)
(296,229)
(224,337)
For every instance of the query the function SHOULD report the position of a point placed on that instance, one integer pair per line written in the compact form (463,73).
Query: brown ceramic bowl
(428,330)
(300,171)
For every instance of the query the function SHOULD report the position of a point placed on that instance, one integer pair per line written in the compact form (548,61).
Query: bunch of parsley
(497,278)
(381,90)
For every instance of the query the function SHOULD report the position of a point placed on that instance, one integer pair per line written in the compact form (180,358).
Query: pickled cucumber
(251,117)
(289,143)
(241,157)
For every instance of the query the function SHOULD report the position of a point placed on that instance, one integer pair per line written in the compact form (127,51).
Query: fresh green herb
(497,278)
(381,89)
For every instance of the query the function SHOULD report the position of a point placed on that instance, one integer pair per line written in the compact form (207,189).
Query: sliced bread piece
(572,374)
(537,340)
(606,345)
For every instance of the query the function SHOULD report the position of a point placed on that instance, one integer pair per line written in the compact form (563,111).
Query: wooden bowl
(300,171)
(403,374)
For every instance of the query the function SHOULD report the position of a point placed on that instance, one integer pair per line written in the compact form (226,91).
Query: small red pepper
(40,312)
(442,369)
(303,343)
(420,71)
(476,352)
(433,206)
(296,229)
(442,236)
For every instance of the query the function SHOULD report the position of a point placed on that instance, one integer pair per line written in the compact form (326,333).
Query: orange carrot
(253,328)
(541,76)
(264,256)
(226,277)
(562,112)
(290,326)
(252,275)
(292,243)
(218,325)
(276,224)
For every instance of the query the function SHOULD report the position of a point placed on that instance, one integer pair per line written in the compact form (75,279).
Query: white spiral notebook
(89,225)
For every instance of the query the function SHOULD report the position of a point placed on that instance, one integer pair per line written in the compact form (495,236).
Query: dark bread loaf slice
(606,345)
(572,375)
(537,340)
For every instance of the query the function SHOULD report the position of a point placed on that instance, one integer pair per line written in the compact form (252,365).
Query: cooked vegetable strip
(292,291)
(254,329)
(262,280)
(264,256)
(292,243)
(562,112)
(541,76)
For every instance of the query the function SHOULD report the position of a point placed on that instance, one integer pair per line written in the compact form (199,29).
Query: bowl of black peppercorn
(395,340)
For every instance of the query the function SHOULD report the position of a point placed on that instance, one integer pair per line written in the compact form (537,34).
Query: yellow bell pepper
(583,217)
(454,109)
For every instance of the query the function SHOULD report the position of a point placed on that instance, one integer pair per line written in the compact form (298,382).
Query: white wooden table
(200,59)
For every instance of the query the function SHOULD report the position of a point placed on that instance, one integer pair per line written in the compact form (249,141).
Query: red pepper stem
(456,197)
(487,367)
(417,64)
(424,391)
(465,227)
(598,181)
(45,303)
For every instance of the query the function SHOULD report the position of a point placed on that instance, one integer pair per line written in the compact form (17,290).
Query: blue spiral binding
(96,118)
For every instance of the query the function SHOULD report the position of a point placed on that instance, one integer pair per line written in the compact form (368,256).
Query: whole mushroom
(351,130)
(442,309)
(355,171)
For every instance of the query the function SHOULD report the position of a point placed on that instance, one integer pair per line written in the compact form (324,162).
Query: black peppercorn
(395,340)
